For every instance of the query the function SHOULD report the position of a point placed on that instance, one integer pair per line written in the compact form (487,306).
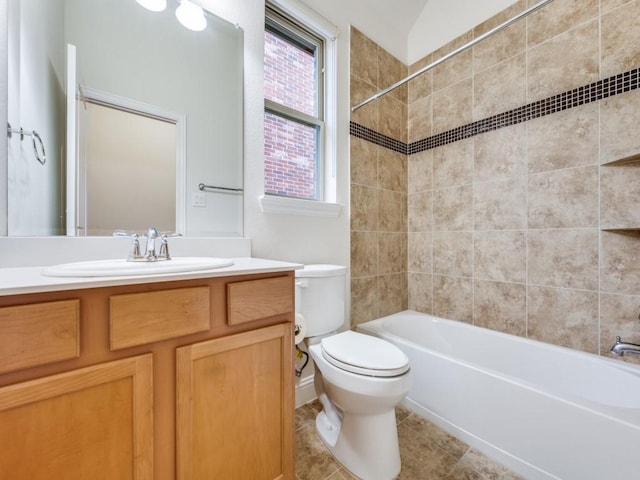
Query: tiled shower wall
(378,186)
(512,229)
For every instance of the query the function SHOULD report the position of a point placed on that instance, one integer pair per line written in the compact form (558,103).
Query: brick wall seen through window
(290,145)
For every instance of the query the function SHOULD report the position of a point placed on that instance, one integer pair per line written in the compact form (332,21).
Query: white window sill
(297,206)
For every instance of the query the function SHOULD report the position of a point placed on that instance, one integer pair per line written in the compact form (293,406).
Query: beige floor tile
(427,452)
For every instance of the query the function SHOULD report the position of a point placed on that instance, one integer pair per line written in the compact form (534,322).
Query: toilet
(359,379)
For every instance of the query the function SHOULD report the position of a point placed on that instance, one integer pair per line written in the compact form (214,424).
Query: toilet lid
(364,355)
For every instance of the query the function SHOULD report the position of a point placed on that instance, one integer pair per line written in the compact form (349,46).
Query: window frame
(290,12)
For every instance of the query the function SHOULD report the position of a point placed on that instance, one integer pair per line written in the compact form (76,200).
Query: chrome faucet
(153,251)
(620,347)
(150,249)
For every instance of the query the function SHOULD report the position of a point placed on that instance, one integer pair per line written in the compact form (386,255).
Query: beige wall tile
(500,306)
(457,68)
(392,253)
(364,57)
(620,196)
(422,85)
(491,97)
(563,317)
(617,114)
(453,208)
(420,172)
(392,211)
(392,170)
(619,317)
(420,211)
(620,263)
(419,124)
(392,293)
(500,205)
(620,39)
(461,229)
(563,258)
(453,253)
(502,45)
(364,300)
(558,17)
(364,208)
(564,198)
(453,298)
(453,164)
(453,106)
(364,165)
(500,256)
(566,61)
(420,292)
(608,5)
(364,254)
(419,252)
(391,70)
(368,114)
(500,154)
(392,117)
(452,71)
(564,139)
(500,17)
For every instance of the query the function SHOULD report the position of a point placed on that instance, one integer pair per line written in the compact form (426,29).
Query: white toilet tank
(320,295)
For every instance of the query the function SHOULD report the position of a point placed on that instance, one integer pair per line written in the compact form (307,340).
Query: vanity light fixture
(191,16)
(153,5)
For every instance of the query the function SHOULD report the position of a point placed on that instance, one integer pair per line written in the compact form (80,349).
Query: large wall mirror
(129,119)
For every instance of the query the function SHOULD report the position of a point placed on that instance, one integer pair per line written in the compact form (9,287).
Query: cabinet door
(91,423)
(235,407)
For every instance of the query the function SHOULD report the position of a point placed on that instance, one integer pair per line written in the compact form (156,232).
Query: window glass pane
(290,158)
(290,74)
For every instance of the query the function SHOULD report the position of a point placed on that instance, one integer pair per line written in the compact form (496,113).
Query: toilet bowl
(359,379)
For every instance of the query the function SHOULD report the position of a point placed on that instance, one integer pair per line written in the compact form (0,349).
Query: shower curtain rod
(453,53)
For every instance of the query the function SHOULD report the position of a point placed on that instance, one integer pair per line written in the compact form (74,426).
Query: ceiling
(401,14)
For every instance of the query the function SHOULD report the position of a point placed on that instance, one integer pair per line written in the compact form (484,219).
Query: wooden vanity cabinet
(151,381)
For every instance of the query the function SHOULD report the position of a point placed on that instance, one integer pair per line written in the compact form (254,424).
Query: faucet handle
(164,244)
(134,251)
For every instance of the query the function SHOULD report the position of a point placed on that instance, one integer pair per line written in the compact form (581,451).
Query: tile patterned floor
(427,452)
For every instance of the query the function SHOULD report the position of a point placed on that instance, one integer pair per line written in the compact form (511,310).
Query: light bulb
(153,5)
(191,16)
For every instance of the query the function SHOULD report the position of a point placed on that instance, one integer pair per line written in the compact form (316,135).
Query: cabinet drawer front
(256,299)
(40,333)
(139,318)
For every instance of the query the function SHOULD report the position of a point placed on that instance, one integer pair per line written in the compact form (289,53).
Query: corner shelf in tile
(623,161)
(620,229)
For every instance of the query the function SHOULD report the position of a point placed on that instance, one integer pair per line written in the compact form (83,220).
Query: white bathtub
(546,412)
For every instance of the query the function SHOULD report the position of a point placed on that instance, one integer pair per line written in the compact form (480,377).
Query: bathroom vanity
(181,376)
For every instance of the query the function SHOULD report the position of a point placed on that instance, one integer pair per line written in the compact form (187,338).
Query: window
(294,109)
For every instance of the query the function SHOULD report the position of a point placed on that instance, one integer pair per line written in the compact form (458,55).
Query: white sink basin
(121,267)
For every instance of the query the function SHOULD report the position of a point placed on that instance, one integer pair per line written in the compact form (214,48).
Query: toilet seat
(364,355)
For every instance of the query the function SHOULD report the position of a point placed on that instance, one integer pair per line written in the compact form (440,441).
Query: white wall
(286,237)
(36,102)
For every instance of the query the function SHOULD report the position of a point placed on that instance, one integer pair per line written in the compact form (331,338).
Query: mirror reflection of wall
(125,50)
(35,193)
(130,172)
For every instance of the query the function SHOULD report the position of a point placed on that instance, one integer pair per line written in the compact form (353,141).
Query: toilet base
(367,445)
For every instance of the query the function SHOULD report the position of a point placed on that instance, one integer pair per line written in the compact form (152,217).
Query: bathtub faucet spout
(620,347)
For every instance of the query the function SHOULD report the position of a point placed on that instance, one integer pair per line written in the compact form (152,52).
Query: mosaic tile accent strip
(608,87)
(360,131)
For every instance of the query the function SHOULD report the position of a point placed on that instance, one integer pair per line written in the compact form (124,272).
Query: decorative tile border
(360,131)
(608,87)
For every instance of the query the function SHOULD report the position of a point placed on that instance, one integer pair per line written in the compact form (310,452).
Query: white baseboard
(305,391)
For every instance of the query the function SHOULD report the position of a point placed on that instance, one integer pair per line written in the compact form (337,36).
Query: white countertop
(21,280)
